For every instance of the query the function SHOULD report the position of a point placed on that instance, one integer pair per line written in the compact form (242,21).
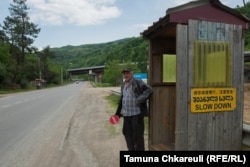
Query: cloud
(142,26)
(76,12)
(181,2)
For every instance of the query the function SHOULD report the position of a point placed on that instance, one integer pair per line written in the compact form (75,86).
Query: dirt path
(77,135)
(83,137)
(90,139)
(91,130)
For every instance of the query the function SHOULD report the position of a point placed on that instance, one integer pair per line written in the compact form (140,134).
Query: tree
(44,57)
(246,11)
(19,34)
(4,62)
(19,31)
(112,72)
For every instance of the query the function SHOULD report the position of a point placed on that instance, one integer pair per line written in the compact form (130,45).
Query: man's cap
(127,69)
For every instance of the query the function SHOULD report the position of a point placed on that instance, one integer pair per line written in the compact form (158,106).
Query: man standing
(133,107)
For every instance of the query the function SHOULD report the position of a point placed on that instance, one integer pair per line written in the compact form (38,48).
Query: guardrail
(246,135)
(246,127)
(116,92)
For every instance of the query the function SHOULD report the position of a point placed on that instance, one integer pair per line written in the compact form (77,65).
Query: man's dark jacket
(142,92)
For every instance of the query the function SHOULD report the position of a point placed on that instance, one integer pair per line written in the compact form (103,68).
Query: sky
(79,22)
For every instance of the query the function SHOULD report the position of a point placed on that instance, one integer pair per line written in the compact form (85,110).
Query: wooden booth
(196,72)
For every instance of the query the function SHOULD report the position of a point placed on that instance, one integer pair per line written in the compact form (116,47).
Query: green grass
(113,100)
(98,84)
(8,91)
(29,88)
(112,129)
(146,124)
(245,148)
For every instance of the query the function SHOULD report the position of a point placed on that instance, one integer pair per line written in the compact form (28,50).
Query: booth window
(212,64)
(169,68)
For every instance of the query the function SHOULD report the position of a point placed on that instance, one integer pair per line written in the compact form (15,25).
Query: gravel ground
(90,139)
(80,137)
(83,137)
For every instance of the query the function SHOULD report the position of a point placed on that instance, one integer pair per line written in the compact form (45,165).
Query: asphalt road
(23,114)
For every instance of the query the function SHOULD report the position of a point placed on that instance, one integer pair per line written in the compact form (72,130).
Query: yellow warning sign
(213,99)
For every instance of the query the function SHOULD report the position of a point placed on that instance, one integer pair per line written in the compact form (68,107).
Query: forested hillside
(125,50)
(21,63)
(130,49)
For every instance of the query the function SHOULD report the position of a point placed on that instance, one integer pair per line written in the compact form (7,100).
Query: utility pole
(61,75)
(39,65)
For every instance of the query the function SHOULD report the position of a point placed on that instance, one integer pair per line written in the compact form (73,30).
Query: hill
(133,49)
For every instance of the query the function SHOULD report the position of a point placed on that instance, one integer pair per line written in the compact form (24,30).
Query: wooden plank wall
(158,47)
(162,117)
(238,82)
(181,88)
(162,102)
(212,130)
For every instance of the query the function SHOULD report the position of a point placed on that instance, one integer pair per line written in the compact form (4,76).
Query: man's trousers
(133,130)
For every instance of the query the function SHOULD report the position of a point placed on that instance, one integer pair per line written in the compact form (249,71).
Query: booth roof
(166,21)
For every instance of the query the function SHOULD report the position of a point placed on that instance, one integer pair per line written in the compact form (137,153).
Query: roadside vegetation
(113,100)
(23,65)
